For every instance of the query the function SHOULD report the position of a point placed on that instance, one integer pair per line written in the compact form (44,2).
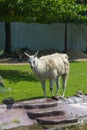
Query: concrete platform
(41,111)
(13,118)
(57,119)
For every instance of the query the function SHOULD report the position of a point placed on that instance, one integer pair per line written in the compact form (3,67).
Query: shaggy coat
(50,67)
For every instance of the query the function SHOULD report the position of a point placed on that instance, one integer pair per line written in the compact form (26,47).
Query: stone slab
(57,119)
(13,118)
(19,115)
(44,112)
(72,113)
(79,109)
(36,103)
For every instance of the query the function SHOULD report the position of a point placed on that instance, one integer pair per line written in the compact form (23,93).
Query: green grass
(21,84)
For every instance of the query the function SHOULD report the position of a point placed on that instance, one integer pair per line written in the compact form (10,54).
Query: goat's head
(32,59)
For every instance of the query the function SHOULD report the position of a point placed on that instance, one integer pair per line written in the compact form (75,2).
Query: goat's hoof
(62,97)
(55,98)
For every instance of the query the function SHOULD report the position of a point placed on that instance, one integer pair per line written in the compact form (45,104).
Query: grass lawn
(21,84)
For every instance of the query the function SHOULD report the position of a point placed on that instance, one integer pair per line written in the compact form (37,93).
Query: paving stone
(45,112)
(57,120)
(35,104)
(13,118)
(2,108)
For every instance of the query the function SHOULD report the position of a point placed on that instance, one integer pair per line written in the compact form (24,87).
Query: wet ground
(45,114)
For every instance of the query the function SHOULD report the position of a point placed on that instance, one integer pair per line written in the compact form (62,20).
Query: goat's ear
(35,55)
(27,54)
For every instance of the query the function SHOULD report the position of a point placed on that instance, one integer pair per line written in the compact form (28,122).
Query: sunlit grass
(21,83)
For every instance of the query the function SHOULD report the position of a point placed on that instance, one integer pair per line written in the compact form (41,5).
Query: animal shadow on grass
(16,76)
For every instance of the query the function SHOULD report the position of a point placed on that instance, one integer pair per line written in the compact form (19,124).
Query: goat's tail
(66,56)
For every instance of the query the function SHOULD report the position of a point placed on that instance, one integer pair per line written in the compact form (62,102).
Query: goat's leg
(64,81)
(51,86)
(44,87)
(57,85)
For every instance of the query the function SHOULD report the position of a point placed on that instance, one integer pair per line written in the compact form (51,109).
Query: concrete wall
(44,36)
(2,35)
(37,36)
(79,37)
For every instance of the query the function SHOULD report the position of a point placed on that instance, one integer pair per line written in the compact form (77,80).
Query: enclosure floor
(43,111)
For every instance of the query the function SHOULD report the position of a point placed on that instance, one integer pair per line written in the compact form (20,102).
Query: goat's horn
(35,55)
(26,54)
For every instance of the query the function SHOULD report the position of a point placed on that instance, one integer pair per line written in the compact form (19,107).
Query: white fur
(50,67)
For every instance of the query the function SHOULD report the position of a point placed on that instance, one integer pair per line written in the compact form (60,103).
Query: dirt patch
(12,61)
(74,55)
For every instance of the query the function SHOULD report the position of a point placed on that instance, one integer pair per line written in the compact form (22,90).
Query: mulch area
(74,55)
(12,61)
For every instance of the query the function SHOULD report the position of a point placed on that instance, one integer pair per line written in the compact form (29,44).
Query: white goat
(50,67)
